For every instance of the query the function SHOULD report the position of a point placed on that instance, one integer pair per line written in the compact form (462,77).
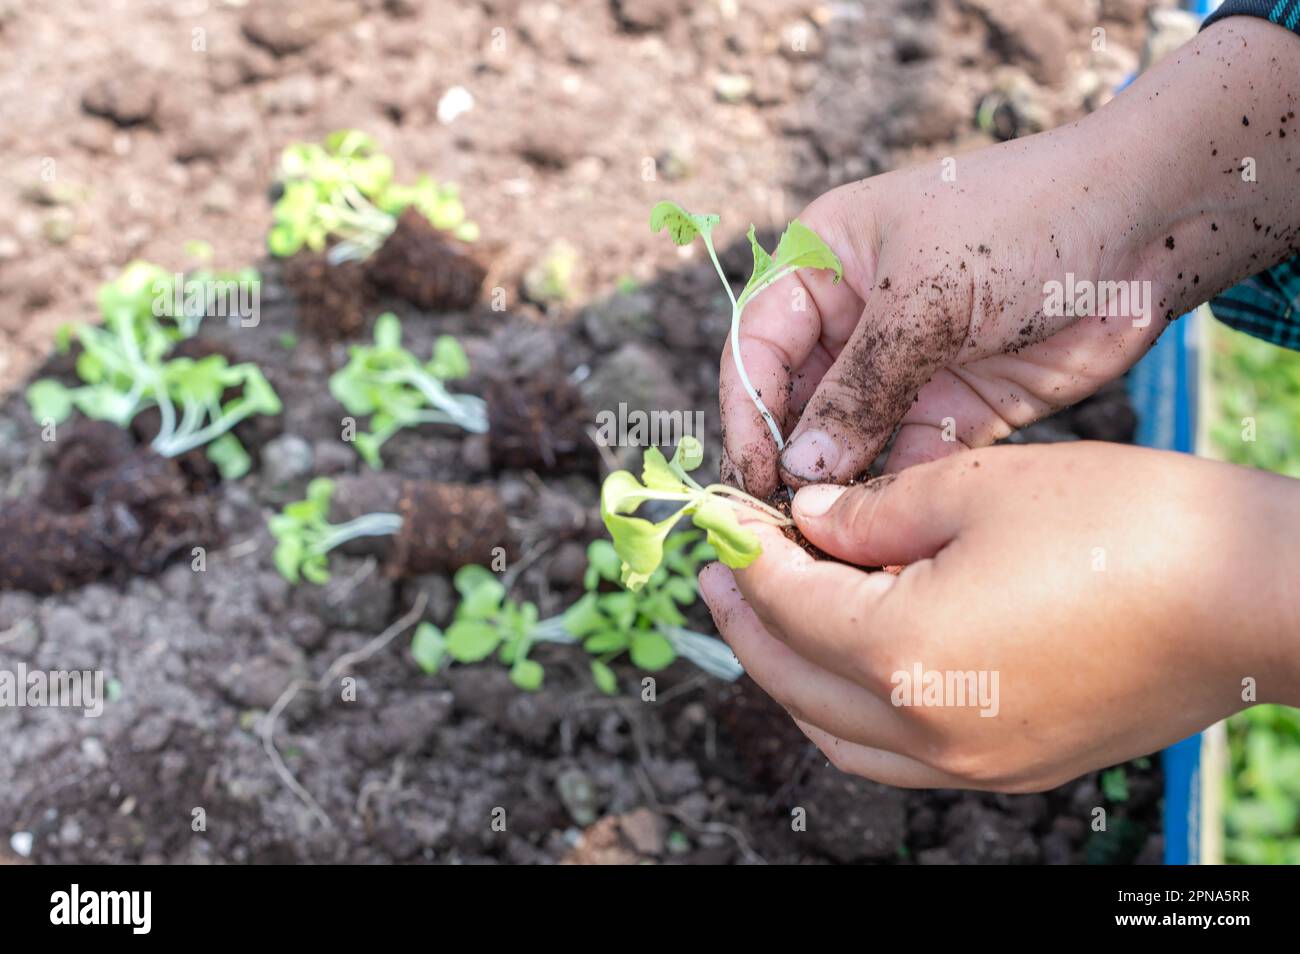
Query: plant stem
(711,655)
(744,380)
(369,525)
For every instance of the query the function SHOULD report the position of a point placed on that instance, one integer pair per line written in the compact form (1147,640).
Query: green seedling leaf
(604,678)
(389,384)
(470,640)
(527,675)
(449,362)
(801,247)
(584,617)
(736,546)
(428,647)
(49,400)
(602,564)
(230,457)
(683,227)
(652,652)
(608,641)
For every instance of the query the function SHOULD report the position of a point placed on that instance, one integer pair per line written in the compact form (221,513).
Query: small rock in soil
(645,831)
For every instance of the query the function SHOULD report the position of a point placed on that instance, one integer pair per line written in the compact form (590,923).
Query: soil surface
(583,115)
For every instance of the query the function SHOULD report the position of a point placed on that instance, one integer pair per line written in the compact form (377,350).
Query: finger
(807,691)
(903,336)
(902,517)
(888,768)
(846,637)
(918,444)
(781,328)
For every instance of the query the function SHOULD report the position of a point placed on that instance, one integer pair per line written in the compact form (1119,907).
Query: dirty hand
(941,322)
(1114,602)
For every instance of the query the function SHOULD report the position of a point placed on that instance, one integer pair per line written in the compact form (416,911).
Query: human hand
(941,323)
(1113,598)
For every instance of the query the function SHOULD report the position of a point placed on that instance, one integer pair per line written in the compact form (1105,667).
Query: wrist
(1199,158)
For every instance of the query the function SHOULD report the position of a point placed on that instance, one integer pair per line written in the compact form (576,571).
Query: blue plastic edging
(1163,388)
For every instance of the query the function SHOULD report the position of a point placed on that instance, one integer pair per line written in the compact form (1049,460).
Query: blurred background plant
(1256,388)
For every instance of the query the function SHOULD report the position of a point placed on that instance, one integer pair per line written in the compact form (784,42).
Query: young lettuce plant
(799,247)
(647,625)
(343,189)
(639,542)
(487,622)
(122,367)
(394,389)
(304,536)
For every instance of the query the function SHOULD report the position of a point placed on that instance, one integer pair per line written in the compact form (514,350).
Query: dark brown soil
(447,526)
(107,509)
(420,265)
(334,301)
(539,423)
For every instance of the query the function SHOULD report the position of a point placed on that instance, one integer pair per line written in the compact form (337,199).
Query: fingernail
(815,499)
(709,579)
(812,456)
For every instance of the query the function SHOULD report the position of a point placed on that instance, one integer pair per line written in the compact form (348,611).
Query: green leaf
(762,261)
(388,331)
(527,675)
(608,641)
(471,640)
(736,546)
(688,456)
(320,493)
(604,678)
(49,400)
(583,617)
(288,557)
(480,590)
(428,647)
(602,564)
(230,457)
(801,247)
(315,569)
(651,651)
(682,226)
(284,240)
(658,475)
(449,361)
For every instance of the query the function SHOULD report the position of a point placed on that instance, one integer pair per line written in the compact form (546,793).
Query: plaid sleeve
(1267,304)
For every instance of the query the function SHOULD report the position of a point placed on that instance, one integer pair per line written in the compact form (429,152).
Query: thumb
(903,337)
(899,518)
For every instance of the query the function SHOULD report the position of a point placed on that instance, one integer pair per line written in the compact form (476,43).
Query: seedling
(388,384)
(304,536)
(488,622)
(344,189)
(122,366)
(639,542)
(144,292)
(799,247)
(647,625)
